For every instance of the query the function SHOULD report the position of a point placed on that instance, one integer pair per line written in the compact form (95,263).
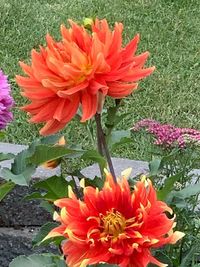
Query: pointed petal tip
(55,216)
(126,173)
(71,22)
(62,141)
(62,26)
(43,133)
(21,63)
(137,36)
(106,171)
(82,183)
(17,78)
(83,120)
(24,108)
(70,192)
(146,54)
(177,235)
(84,263)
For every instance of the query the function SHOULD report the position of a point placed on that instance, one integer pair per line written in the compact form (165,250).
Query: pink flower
(6,101)
(168,135)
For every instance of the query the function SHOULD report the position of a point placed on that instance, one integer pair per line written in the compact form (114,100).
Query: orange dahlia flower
(78,71)
(114,225)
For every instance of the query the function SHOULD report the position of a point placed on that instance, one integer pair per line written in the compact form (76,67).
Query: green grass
(170,30)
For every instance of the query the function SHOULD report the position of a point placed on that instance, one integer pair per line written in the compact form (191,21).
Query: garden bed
(20,219)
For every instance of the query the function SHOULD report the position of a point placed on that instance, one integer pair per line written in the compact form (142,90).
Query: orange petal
(176,236)
(135,75)
(89,105)
(120,90)
(73,90)
(66,110)
(130,48)
(46,112)
(156,262)
(27,69)
(58,231)
(52,127)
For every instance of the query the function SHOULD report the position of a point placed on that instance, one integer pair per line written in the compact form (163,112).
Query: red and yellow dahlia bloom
(79,71)
(114,225)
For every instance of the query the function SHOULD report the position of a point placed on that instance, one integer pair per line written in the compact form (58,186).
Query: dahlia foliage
(6,101)
(79,71)
(114,225)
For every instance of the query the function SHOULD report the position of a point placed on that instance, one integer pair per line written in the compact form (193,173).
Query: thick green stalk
(103,146)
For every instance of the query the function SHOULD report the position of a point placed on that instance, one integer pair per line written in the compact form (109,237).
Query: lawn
(170,31)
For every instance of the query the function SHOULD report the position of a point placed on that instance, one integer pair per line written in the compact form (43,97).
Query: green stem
(100,149)
(90,135)
(76,188)
(99,143)
(110,128)
(102,145)
(65,172)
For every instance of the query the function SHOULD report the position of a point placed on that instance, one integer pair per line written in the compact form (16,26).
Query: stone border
(119,164)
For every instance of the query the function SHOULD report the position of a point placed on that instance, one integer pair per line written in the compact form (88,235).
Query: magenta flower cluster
(168,135)
(6,101)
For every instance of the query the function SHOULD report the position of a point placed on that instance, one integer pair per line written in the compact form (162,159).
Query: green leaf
(56,187)
(49,207)
(162,255)
(4,156)
(94,156)
(22,168)
(76,173)
(43,232)
(112,118)
(168,186)
(21,171)
(189,191)
(50,140)
(45,153)
(5,188)
(178,197)
(20,179)
(34,195)
(118,138)
(40,260)
(132,181)
(96,182)
(20,163)
(154,166)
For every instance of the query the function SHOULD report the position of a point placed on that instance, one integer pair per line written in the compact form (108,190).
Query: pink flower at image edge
(6,101)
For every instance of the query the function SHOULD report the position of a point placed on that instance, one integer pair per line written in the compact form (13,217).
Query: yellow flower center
(114,223)
(87,69)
